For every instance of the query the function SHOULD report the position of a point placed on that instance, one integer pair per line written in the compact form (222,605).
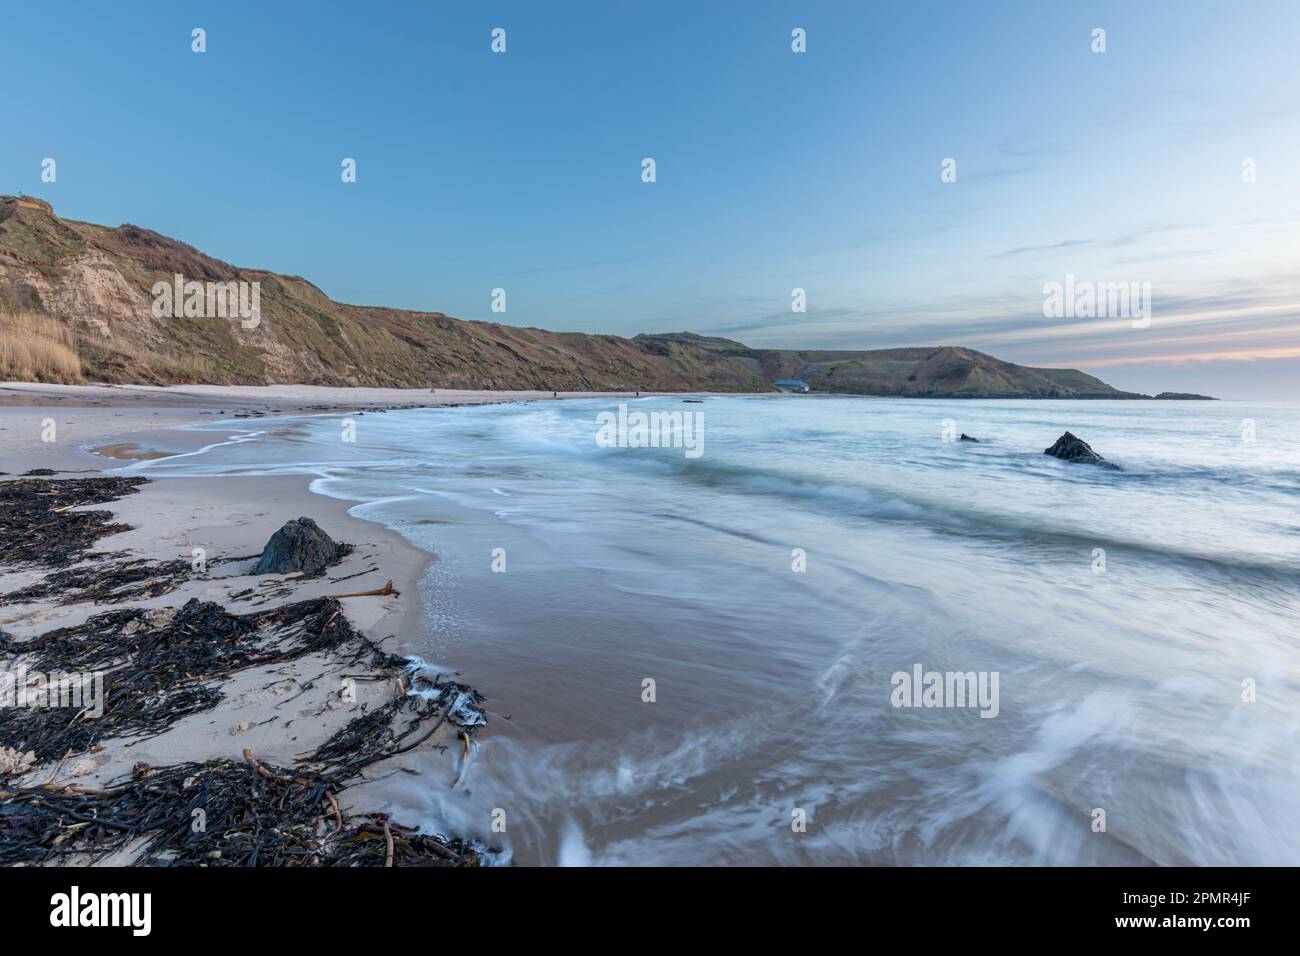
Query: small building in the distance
(792,385)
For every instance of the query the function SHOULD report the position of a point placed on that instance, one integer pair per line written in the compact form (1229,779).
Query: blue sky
(775,170)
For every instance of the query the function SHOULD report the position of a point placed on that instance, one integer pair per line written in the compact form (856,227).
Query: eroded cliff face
(87,291)
(100,283)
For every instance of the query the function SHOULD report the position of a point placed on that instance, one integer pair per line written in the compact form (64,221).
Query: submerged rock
(299,546)
(1073,448)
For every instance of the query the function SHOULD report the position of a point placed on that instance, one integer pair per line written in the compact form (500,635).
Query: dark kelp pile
(160,665)
(388,730)
(107,582)
(38,526)
(231,813)
(219,813)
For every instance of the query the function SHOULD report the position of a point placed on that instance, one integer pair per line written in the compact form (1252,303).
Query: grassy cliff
(76,305)
(96,282)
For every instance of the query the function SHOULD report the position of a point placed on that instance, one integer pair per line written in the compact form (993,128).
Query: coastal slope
(936,372)
(96,283)
(76,305)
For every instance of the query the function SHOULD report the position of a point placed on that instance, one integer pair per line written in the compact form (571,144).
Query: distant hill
(938,372)
(76,304)
(97,282)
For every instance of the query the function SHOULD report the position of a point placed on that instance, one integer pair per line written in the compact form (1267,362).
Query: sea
(827,630)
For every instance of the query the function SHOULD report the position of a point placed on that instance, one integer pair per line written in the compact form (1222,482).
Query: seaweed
(155,662)
(160,665)
(137,578)
(38,527)
(381,733)
(218,813)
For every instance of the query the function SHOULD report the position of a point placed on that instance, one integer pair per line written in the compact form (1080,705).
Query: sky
(1172,158)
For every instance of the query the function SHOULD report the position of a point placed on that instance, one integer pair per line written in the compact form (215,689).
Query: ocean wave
(864,501)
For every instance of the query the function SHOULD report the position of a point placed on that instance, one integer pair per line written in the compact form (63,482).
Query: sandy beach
(278,712)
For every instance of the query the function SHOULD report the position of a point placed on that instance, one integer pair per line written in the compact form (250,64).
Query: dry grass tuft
(37,348)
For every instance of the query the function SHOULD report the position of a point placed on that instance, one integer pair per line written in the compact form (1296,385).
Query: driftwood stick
(464,762)
(386,590)
(443,851)
(420,840)
(338,815)
(252,762)
(263,772)
(62,761)
(388,844)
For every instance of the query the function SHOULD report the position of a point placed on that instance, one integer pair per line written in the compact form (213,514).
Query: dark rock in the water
(39,472)
(300,546)
(965,437)
(1072,448)
(1184,397)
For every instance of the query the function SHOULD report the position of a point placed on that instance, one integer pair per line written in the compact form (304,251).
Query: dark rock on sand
(300,546)
(965,437)
(1070,447)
